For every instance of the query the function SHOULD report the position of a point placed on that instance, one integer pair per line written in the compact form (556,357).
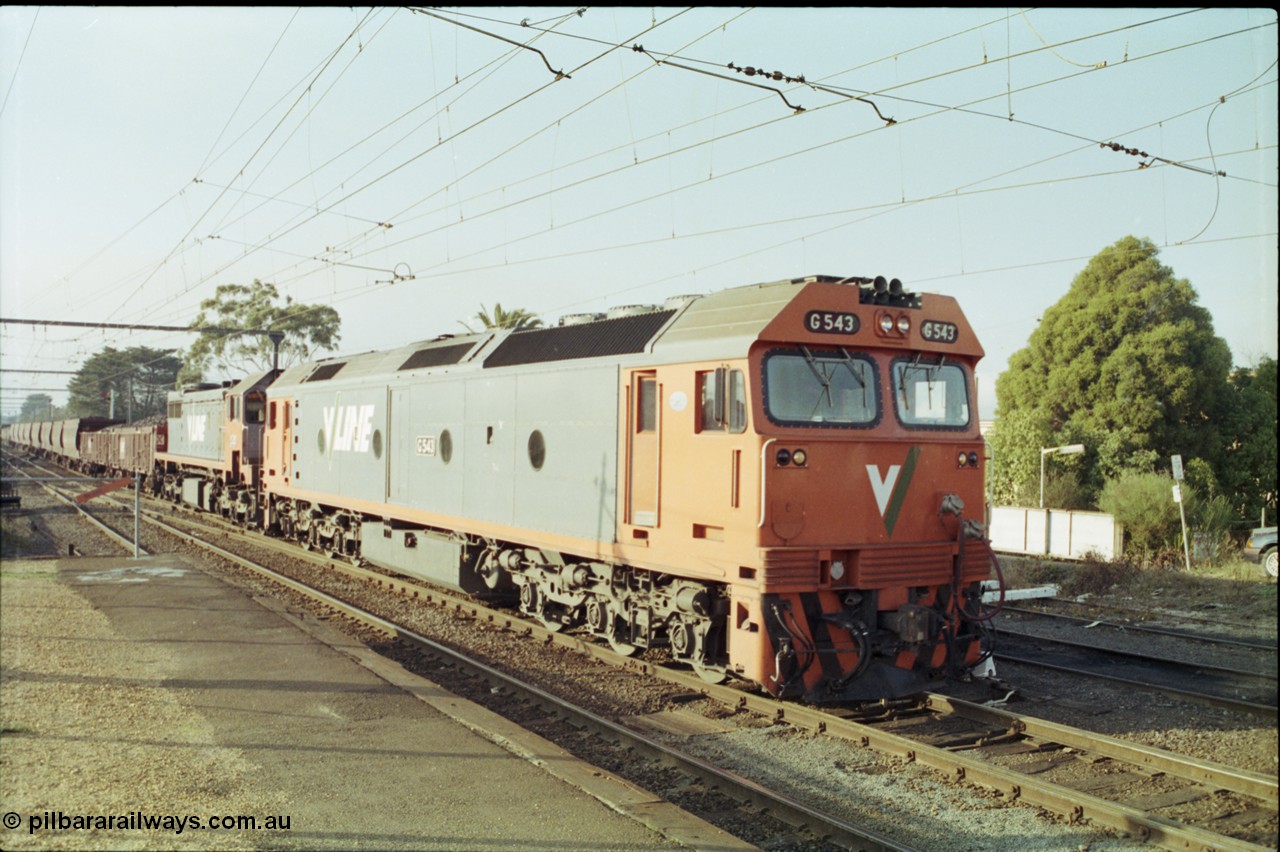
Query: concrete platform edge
(614,792)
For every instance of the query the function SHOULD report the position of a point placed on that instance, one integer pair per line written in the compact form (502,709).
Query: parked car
(1261,548)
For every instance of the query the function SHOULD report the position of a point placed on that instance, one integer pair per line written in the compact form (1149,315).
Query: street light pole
(1068,450)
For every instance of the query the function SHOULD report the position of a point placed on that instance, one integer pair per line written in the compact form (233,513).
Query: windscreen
(820,387)
(931,395)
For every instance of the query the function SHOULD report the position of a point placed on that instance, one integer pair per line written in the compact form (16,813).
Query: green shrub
(1143,504)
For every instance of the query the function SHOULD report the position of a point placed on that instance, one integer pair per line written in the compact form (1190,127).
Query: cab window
(820,388)
(722,395)
(254,407)
(931,393)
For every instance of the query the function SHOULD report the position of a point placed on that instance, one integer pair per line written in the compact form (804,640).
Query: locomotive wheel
(711,674)
(626,649)
(614,633)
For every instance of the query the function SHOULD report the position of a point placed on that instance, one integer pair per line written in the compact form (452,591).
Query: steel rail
(1142,613)
(1143,628)
(1267,711)
(1078,807)
(1208,773)
(1133,655)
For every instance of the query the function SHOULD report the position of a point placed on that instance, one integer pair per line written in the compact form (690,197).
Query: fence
(1055,532)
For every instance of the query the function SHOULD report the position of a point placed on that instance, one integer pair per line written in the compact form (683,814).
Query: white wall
(1055,532)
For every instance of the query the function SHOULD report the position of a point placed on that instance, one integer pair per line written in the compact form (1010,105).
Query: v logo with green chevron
(890,489)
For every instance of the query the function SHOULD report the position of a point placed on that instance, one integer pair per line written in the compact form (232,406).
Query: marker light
(783,458)
(973,459)
(961,458)
(799,457)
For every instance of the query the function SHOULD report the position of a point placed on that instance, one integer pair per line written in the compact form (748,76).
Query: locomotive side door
(644,449)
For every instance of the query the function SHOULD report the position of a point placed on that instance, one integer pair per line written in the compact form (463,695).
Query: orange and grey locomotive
(772,482)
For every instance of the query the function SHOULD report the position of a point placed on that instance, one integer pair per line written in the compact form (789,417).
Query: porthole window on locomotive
(446,446)
(537,449)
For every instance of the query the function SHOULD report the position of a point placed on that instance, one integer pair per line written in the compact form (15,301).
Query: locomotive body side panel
(340,430)
(488,430)
(197,428)
(428,445)
(565,451)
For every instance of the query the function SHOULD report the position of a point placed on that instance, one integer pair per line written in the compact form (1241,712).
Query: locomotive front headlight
(783,458)
(886,324)
(904,324)
(799,457)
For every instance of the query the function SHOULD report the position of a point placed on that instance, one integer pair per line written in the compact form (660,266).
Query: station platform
(149,689)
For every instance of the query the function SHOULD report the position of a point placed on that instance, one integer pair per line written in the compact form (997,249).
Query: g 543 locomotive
(780,482)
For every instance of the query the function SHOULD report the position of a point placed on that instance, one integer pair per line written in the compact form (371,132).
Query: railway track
(1145,620)
(1081,775)
(1137,627)
(1239,689)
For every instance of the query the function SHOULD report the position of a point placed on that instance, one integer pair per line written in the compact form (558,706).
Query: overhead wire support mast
(276,337)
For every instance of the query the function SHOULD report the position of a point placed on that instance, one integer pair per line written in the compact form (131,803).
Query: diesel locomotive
(781,483)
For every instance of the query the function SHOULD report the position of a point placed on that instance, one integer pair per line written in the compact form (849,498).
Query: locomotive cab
(871,453)
(824,476)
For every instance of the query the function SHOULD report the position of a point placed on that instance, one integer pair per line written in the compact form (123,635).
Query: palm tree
(499,318)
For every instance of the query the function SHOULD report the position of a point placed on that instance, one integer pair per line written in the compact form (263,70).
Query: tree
(1126,363)
(1248,470)
(306,328)
(137,378)
(37,406)
(516,318)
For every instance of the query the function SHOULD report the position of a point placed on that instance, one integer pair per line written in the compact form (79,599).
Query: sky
(409,166)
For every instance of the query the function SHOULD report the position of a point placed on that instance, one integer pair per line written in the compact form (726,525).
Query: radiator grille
(790,566)
(921,565)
